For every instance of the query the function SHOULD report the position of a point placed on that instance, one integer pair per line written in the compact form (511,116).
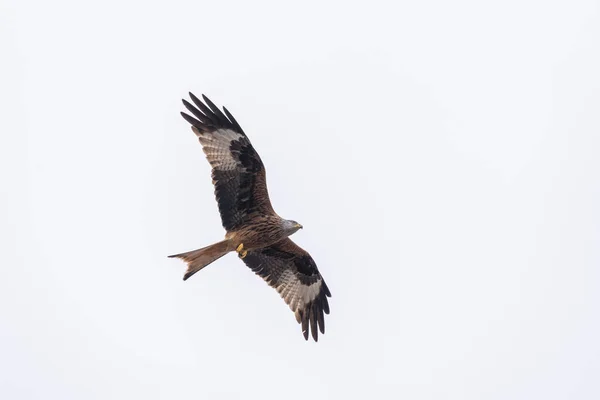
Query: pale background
(442,157)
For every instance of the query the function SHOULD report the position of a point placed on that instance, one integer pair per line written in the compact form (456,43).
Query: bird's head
(290,226)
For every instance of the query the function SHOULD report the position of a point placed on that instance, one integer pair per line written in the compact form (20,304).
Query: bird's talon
(240,250)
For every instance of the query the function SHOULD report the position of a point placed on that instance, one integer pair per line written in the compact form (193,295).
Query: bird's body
(264,231)
(254,230)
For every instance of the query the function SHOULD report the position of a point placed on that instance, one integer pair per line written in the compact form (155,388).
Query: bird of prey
(254,230)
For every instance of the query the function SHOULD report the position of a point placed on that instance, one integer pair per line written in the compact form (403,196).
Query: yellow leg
(240,250)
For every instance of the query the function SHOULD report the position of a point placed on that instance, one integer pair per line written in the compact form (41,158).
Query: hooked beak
(299,226)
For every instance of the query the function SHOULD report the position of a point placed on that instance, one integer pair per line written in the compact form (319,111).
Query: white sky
(442,157)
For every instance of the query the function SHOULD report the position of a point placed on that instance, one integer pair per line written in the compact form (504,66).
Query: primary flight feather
(254,230)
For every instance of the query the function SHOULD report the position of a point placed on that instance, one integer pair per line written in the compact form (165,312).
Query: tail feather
(198,259)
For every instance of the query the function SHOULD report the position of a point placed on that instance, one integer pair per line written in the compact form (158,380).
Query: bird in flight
(254,230)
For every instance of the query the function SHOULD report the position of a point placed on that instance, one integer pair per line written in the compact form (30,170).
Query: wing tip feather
(209,116)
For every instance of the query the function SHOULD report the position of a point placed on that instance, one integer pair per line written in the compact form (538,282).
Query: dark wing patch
(292,272)
(237,170)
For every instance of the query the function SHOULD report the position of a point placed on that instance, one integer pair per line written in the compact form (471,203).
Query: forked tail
(198,259)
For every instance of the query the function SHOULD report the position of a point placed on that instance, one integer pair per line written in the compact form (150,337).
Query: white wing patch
(216,147)
(294,292)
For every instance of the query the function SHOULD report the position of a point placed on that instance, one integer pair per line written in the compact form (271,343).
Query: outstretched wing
(293,273)
(237,171)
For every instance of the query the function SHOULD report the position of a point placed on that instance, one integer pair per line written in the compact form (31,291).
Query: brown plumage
(254,230)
